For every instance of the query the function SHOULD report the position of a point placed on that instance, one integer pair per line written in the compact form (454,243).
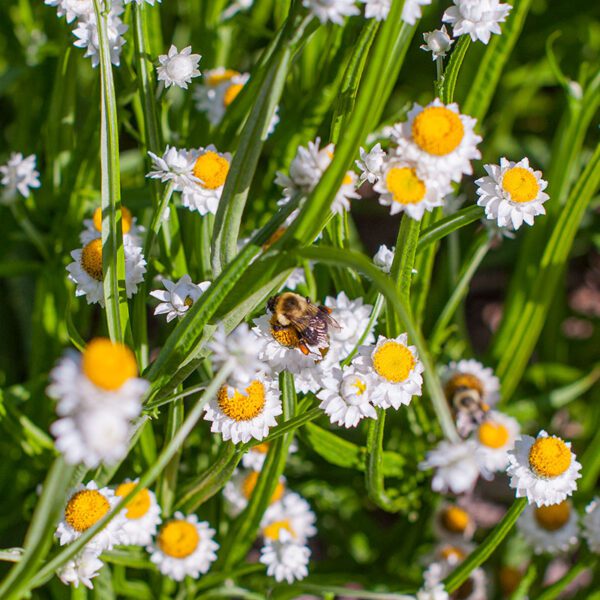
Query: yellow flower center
(108,365)
(178,538)
(91,259)
(126,219)
(452,552)
(549,457)
(463,380)
(250,483)
(286,336)
(218,78)
(188,301)
(139,505)
(553,517)
(493,435)
(243,407)
(404,185)
(521,184)
(273,530)
(347,179)
(393,361)
(360,386)
(438,130)
(455,519)
(232,93)
(211,169)
(85,508)
(261,448)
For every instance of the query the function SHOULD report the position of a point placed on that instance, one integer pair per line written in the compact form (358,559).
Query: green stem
(555,590)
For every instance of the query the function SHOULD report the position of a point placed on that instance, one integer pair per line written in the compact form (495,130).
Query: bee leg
(304,349)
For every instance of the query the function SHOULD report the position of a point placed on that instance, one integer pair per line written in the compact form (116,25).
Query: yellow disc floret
(262,448)
(85,508)
(393,361)
(126,219)
(91,259)
(286,336)
(218,78)
(178,538)
(232,93)
(272,531)
(360,386)
(438,130)
(211,169)
(521,184)
(452,553)
(404,185)
(549,457)
(454,519)
(242,406)
(553,517)
(250,482)
(139,505)
(108,365)
(493,435)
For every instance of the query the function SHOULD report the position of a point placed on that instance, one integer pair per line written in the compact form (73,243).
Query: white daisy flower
(433,588)
(411,11)
(403,186)
(591,525)
(551,529)
(474,588)
(543,469)
(178,68)
(210,170)
(81,569)
(512,193)
(477,18)
(19,176)
(395,368)
(72,9)
(384,257)
(174,165)
(254,459)
(239,488)
(132,232)
(178,297)
(291,513)
(331,10)
(347,192)
(377,9)
(242,414)
(220,87)
(371,164)
(495,437)
(285,559)
(437,42)
(86,270)
(296,278)
(142,515)
(85,507)
(440,140)
(456,466)
(453,523)
(184,547)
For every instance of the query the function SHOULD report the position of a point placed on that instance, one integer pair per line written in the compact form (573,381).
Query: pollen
(219,78)
(493,435)
(232,93)
(549,457)
(85,508)
(126,219)
(108,365)
(393,361)
(438,130)
(178,538)
(272,531)
(286,336)
(455,519)
(242,406)
(211,169)
(405,186)
(91,259)
(463,380)
(552,518)
(250,483)
(520,184)
(139,505)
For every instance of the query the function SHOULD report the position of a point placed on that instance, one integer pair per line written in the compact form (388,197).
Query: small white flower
(255,457)
(72,9)
(437,42)
(331,10)
(347,192)
(142,515)
(178,297)
(456,466)
(236,7)
(184,547)
(371,164)
(178,68)
(591,525)
(433,588)
(551,529)
(291,513)
(411,11)
(19,175)
(543,469)
(512,193)
(384,257)
(174,165)
(286,560)
(477,18)
(242,414)
(218,90)
(132,232)
(239,489)
(377,9)
(495,437)
(85,507)
(81,569)
(296,278)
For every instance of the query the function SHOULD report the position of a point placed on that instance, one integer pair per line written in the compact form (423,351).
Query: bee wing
(311,326)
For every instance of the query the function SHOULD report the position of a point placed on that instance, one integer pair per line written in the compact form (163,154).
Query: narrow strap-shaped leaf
(447,84)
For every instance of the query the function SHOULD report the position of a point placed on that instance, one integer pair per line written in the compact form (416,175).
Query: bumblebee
(469,409)
(306,323)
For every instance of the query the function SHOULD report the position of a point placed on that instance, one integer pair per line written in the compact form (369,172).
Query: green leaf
(444,227)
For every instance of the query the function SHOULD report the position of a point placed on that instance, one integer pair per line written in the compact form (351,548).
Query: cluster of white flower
(335,11)
(19,176)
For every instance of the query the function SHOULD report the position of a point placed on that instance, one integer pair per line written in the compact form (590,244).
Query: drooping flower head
(178,67)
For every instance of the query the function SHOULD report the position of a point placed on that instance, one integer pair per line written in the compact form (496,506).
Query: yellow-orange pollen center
(250,482)
(463,380)
(521,184)
(108,365)
(91,259)
(455,519)
(286,336)
(393,361)
(232,93)
(178,538)
(273,530)
(219,78)
(404,185)
(211,169)
(493,435)
(549,457)
(126,219)
(139,505)
(85,508)
(240,406)
(438,130)
(261,448)
(552,518)
(452,553)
